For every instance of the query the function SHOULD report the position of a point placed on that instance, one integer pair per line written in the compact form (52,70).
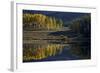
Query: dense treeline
(41,21)
(81,26)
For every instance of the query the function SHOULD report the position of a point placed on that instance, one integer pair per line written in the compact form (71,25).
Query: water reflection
(38,52)
(47,52)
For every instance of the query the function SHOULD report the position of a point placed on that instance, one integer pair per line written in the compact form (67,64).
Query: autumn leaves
(42,22)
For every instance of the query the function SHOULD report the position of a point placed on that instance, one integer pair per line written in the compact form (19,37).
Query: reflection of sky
(65,16)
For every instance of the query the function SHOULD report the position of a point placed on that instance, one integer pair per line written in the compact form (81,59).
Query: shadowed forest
(56,36)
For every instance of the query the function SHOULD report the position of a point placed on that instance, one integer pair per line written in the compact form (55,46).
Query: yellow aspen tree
(61,23)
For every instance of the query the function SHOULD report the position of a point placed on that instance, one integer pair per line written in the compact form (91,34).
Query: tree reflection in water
(41,51)
(50,52)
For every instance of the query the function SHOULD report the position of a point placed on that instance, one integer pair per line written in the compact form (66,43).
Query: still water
(45,50)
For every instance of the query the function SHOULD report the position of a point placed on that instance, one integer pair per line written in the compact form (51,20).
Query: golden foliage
(43,21)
